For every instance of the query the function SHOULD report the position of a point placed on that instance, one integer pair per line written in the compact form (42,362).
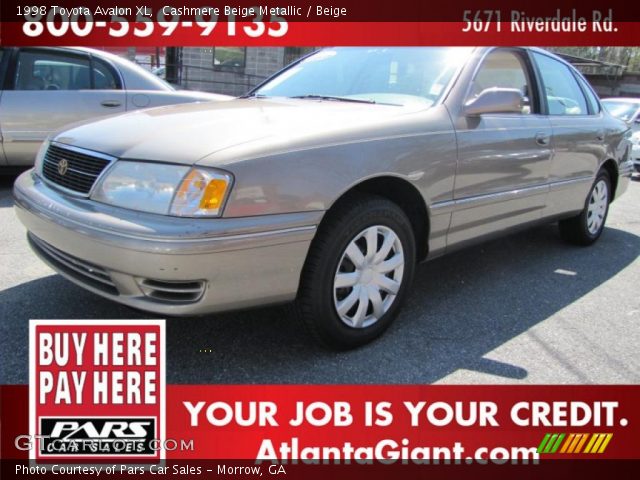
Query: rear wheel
(357,273)
(586,228)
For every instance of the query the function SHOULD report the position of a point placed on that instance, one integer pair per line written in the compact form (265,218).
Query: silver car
(43,89)
(628,109)
(327,184)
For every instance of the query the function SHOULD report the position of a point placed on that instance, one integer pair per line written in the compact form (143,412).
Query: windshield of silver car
(391,76)
(623,110)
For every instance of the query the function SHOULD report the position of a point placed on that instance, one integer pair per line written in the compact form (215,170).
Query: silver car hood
(187,133)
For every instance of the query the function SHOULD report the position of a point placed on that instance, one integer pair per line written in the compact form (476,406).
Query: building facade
(231,70)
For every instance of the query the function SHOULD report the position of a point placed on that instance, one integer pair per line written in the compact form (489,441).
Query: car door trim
(450,206)
(560,184)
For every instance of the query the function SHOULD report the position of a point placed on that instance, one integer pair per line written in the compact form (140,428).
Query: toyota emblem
(63,166)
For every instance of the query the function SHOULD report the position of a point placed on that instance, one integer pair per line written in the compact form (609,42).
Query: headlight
(635,138)
(164,189)
(40,157)
(201,193)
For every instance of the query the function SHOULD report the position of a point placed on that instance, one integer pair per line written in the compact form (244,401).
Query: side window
(37,70)
(564,95)
(104,78)
(503,69)
(594,106)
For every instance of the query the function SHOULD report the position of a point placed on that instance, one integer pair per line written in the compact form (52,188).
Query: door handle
(542,139)
(600,135)
(111,103)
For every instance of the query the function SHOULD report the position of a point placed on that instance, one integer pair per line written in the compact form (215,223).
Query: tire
(584,229)
(335,275)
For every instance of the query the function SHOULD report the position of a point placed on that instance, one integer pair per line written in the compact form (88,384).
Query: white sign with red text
(97,389)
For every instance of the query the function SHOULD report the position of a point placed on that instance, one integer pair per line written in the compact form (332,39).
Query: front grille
(82,169)
(81,270)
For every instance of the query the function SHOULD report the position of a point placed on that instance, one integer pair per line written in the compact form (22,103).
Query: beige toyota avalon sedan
(325,185)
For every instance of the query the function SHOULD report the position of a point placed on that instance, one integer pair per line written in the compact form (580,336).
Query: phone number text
(38,20)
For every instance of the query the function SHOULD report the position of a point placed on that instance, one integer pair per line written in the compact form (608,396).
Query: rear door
(51,88)
(579,133)
(503,158)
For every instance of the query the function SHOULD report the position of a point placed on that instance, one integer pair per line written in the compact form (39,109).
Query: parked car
(635,150)
(160,72)
(327,184)
(43,89)
(628,109)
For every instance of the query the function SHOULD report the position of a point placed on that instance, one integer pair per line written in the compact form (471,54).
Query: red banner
(318,34)
(384,424)
(303,23)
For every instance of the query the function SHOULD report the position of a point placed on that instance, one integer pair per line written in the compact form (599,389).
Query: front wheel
(586,228)
(357,273)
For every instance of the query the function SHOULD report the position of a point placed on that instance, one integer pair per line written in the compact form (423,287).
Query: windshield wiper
(325,97)
(336,99)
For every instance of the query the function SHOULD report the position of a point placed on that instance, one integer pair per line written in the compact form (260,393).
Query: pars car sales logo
(97,389)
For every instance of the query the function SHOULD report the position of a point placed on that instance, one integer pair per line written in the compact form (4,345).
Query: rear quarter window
(594,104)
(104,76)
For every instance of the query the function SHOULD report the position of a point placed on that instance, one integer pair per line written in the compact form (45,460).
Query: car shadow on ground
(461,307)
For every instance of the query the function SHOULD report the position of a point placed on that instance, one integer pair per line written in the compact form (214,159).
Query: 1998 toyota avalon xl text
(326,184)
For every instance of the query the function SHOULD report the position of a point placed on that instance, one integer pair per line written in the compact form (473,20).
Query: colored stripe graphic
(543,443)
(550,443)
(572,443)
(605,443)
(555,447)
(581,443)
(570,440)
(592,440)
(578,440)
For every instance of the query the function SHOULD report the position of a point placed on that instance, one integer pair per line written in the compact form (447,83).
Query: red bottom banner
(339,431)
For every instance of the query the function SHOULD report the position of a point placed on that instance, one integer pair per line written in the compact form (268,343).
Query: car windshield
(620,109)
(391,76)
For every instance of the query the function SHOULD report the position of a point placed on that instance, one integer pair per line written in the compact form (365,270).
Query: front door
(503,159)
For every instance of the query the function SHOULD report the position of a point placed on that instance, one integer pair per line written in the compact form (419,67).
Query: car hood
(187,133)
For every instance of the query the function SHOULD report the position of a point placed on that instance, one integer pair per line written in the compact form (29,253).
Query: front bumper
(162,264)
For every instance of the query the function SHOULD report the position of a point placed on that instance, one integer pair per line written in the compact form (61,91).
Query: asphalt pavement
(522,309)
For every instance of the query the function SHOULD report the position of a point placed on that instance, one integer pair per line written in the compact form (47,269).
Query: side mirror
(495,100)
